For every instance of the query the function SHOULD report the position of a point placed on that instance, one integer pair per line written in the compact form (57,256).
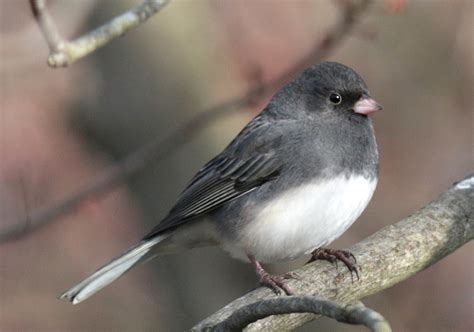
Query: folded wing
(237,171)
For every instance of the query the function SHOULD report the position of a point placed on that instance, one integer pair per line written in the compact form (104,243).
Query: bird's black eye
(335,98)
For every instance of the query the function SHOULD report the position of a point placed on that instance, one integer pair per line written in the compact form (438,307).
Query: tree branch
(158,149)
(356,314)
(386,258)
(64,53)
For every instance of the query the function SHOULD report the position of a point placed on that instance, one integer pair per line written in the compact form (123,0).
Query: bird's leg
(275,283)
(333,255)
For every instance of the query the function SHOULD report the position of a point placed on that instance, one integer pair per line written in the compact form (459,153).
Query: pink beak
(366,105)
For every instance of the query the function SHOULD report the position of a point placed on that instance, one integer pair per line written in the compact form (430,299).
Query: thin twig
(64,53)
(155,150)
(356,314)
(158,149)
(47,25)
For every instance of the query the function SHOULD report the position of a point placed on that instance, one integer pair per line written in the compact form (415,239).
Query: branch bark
(64,53)
(356,314)
(386,258)
(158,149)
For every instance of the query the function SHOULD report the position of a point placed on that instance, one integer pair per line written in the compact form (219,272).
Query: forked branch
(64,53)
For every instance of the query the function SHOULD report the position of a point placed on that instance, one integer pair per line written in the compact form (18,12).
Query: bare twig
(64,53)
(47,25)
(155,150)
(158,149)
(356,314)
(387,257)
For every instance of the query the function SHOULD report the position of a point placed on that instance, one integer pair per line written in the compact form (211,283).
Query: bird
(291,182)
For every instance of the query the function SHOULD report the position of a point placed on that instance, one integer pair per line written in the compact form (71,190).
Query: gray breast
(311,152)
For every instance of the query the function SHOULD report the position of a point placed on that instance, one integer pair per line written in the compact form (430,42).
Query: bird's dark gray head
(326,87)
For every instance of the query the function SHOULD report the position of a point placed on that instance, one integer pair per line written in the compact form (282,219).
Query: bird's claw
(276,283)
(291,275)
(334,255)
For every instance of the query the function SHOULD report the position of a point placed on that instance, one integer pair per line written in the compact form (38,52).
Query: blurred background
(59,128)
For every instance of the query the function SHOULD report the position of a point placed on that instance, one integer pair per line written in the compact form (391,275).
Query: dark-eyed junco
(293,180)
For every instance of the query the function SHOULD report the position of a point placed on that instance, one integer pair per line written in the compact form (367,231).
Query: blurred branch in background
(159,149)
(355,314)
(64,53)
(387,257)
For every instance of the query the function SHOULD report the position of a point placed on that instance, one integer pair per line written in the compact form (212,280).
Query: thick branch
(158,149)
(387,257)
(356,314)
(64,53)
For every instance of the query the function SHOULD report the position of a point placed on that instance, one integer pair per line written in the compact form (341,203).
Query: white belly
(304,219)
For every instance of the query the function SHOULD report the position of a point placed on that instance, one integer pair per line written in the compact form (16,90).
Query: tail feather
(111,271)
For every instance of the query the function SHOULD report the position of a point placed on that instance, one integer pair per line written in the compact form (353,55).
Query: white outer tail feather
(111,271)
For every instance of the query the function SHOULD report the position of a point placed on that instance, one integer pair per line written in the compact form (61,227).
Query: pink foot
(333,255)
(274,282)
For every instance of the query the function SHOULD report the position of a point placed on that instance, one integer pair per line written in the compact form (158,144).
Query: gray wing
(248,162)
